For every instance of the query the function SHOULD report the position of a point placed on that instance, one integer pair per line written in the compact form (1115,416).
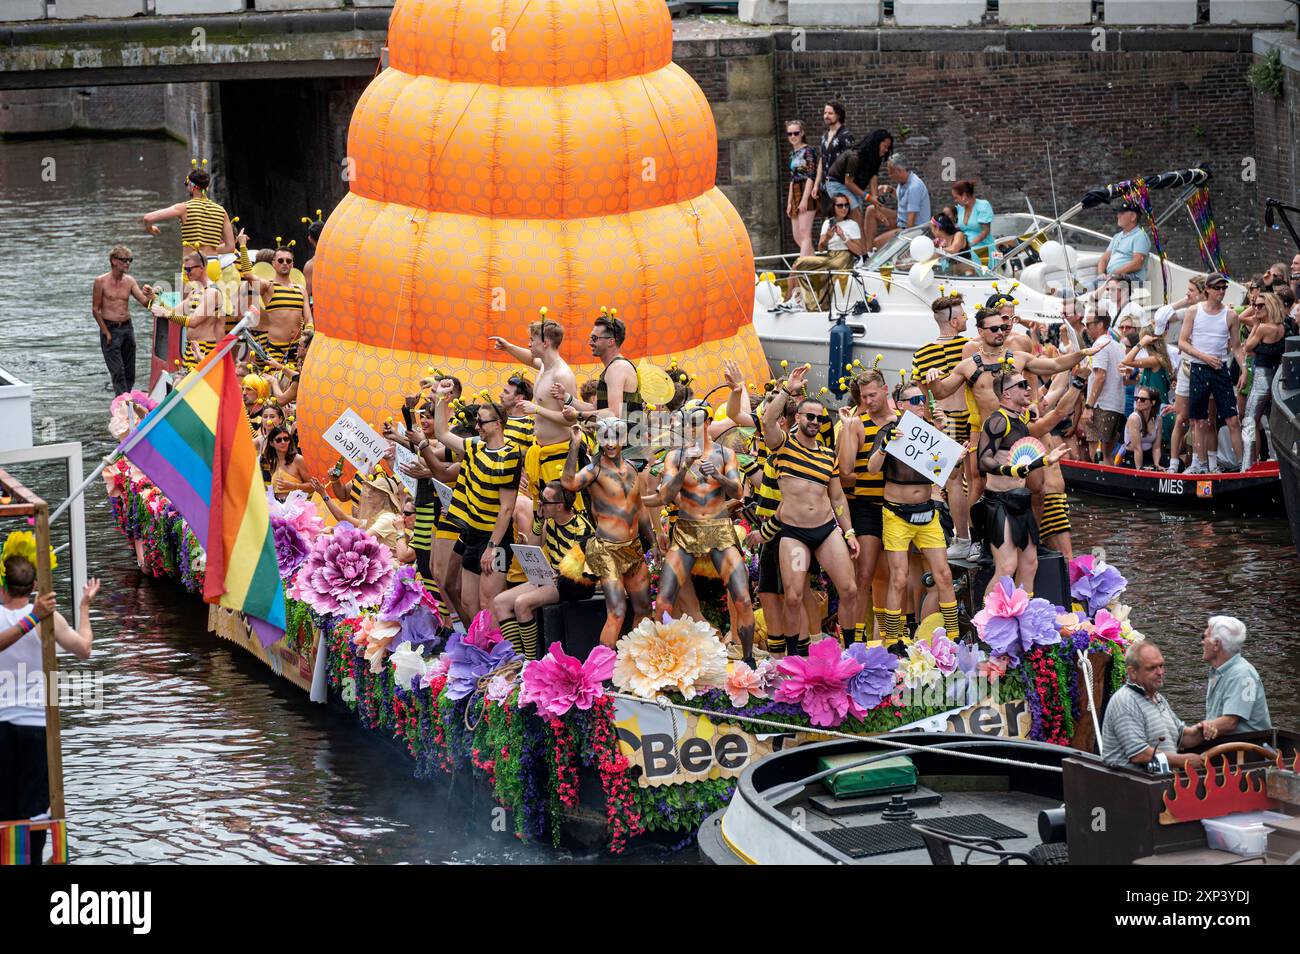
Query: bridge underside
(310,44)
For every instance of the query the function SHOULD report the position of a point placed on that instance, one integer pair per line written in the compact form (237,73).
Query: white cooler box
(1243,833)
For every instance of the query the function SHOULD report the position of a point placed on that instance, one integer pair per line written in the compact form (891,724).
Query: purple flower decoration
(1012,623)
(291,547)
(345,572)
(1094,583)
(403,595)
(944,651)
(469,663)
(419,628)
(969,657)
(875,682)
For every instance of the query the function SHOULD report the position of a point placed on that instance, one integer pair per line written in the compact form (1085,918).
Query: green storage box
(896,774)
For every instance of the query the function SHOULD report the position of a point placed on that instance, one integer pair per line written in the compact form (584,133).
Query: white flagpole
(191,381)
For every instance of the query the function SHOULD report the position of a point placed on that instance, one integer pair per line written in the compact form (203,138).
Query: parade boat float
(918,798)
(1256,492)
(884,301)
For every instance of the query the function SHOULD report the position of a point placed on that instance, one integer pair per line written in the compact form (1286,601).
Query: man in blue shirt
(1234,695)
(913,198)
(1126,256)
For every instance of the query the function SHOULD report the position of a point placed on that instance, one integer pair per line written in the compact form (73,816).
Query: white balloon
(1071,256)
(1053,253)
(920,276)
(766,295)
(922,248)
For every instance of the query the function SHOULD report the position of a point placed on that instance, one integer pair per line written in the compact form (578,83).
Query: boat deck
(853,826)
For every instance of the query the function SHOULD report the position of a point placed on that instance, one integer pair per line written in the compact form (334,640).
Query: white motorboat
(885,299)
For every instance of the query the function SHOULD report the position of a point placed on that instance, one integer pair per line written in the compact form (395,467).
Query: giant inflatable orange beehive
(519,154)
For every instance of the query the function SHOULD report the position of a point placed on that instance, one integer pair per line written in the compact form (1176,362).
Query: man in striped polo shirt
(1139,726)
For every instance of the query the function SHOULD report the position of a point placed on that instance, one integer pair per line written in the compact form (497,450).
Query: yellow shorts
(544,464)
(900,534)
(188,361)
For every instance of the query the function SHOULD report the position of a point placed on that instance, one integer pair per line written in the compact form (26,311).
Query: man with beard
(200,312)
(702,476)
(616,553)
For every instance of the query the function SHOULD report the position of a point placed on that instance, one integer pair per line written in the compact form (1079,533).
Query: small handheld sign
(927,450)
(444,493)
(532,560)
(356,440)
(405,456)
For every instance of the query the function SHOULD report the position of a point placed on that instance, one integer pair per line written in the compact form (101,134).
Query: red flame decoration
(1231,789)
(1295,762)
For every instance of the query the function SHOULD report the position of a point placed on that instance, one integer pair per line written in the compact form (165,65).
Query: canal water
(199,754)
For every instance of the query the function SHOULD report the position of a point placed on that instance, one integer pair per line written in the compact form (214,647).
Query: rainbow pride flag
(200,454)
(16,841)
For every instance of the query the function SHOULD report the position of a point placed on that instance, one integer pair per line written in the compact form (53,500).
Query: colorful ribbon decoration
(1207,233)
(16,841)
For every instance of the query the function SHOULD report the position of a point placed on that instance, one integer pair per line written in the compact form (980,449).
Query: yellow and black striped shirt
(792,459)
(944,354)
(865,483)
(285,296)
(768,496)
(519,432)
(205,222)
(559,538)
(484,474)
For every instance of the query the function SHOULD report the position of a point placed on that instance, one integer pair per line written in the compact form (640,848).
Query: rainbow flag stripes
(16,841)
(200,454)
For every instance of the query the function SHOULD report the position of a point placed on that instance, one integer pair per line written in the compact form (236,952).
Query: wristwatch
(568,400)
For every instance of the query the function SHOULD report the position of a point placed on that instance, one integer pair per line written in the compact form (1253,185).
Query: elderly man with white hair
(1234,696)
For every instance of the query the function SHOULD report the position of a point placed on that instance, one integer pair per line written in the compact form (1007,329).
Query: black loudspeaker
(575,626)
(1052,582)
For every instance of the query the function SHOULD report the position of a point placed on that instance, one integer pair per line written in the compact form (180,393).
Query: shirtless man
(544,461)
(703,476)
(200,312)
(910,518)
(1011,531)
(1051,506)
(813,516)
(942,355)
(616,554)
(285,309)
(110,303)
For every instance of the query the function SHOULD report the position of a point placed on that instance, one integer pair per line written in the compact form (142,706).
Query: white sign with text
(532,560)
(444,493)
(405,456)
(927,450)
(356,440)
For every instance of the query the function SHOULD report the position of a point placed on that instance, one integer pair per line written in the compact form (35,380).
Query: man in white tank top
(1210,335)
(24,771)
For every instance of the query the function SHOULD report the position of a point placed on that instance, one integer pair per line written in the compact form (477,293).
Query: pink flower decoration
(437,669)
(345,572)
(1080,567)
(483,633)
(1071,623)
(819,683)
(1108,628)
(944,651)
(557,682)
(744,684)
(994,667)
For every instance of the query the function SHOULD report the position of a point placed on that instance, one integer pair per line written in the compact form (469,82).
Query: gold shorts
(613,561)
(900,534)
(701,537)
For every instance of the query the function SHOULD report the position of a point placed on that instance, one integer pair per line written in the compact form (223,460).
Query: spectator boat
(1256,492)
(998,801)
(884,301)
(1284,419)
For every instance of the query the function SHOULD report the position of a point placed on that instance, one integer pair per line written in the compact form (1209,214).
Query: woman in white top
(838,248)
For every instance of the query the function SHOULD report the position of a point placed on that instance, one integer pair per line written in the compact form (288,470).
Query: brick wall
(1277,147)
(1107,116)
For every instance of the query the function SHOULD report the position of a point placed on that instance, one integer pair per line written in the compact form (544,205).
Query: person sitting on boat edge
(913,198)
(975,218)
(1126,255)
(1139,726)
(1140,447)
(1234,694)
(839,246)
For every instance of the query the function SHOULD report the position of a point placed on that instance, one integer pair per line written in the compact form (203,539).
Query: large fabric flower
(419,628)
(372,638)
(681,654)
(409,665)
(470,663)
(291,548)
(483,632)
(874,683)
(437,669)
(918,669)
(963,685)
(1107,628)
(944,651)
(744,684)
(1094,583)
(499,688)
(403,594)
(557,682)
(1011,623)
(298,511)
(819,683)
(345,572)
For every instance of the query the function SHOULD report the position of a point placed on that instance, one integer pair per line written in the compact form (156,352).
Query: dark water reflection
(200,755)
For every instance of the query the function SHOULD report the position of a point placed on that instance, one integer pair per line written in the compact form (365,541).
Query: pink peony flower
(499,688)
(483,633)
(1108,628)
(944,651)
(557,682)
(744,684)
(819,683)
(299,512)
(345,572)
(437,669)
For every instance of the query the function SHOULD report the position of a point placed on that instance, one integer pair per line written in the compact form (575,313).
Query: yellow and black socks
(949,611)
(801,646)
(528,636)
(775,643)
(510,630)
(891,625)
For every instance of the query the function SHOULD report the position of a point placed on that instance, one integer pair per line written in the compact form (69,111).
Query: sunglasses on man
(995,327)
